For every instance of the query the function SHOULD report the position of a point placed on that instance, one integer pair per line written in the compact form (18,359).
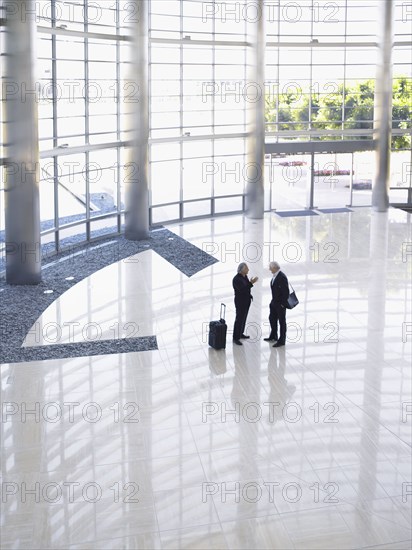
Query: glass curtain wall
(82,93)
(82,53)
(198,108)
(320,74)
(319,82)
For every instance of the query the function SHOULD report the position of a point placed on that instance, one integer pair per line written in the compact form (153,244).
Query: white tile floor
(306,446)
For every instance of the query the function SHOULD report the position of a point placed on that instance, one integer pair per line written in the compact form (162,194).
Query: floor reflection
(306,446)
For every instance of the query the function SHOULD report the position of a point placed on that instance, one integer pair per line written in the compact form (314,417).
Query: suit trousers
(242,309)
(277,315)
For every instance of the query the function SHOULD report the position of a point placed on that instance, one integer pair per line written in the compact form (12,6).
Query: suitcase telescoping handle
(222,311)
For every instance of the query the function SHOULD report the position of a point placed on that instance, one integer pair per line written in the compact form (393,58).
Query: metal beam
(307,147)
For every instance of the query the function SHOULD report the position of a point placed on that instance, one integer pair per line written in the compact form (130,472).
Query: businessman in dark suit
(243,297)
(280,293)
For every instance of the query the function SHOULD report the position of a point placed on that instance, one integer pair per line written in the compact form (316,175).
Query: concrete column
(21,146)
(136,173)
(256,115)
(383,108)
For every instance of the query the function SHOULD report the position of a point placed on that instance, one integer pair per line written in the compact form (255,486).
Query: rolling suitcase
(218,330)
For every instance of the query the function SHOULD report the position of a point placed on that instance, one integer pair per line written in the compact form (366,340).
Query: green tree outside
(354,104)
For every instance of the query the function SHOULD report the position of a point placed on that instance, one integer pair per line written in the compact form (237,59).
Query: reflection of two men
(248,496)
(280,391)
(247,385)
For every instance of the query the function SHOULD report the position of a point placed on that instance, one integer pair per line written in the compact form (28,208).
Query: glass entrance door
(333,173)
(289,178)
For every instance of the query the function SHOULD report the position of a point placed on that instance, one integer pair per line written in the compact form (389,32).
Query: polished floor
(302,447)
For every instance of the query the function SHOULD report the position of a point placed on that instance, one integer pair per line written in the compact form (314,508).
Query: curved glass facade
(319,81)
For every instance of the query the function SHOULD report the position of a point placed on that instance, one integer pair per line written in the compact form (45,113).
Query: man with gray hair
(279,286)
(243,298)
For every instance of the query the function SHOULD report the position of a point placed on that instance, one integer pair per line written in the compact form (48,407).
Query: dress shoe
(269,339)
(245,337)
(237,342)
(278,345)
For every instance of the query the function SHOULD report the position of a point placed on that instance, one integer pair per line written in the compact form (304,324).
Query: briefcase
(293,299)
(218,330)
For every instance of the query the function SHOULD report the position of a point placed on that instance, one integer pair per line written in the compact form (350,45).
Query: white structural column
(383,107)
(256,110)
(21,147)
(136,173)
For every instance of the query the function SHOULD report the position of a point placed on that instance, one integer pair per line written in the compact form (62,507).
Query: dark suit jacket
(280,289)
(242,286)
